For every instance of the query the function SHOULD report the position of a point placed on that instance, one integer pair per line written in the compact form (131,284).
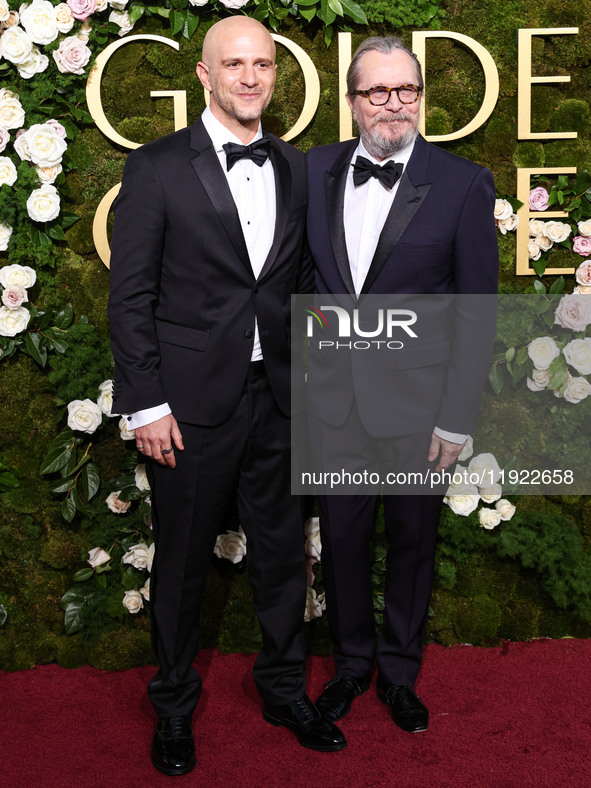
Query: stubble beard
(229,104)
(379,145)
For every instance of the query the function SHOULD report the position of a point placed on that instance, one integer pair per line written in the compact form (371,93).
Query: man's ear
(350,101)
(203,74)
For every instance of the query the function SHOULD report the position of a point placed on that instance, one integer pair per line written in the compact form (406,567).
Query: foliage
(404,13)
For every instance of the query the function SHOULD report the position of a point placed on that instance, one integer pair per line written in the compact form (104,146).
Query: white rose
(489,518)
(118,5)
(48,174)
(12,114)
(124,433)
(533,250)
(97,556)
(198,3)
(5,233)
(140,556)
(231,545)
(542,352)
(582,289)
(505,508)
(574,312)
(102,5)
(72,56)
(17,46)
(315,604)
(584,227)
(577,389)
(578,355)
(491,493)
(463,503)
(4,139)
(116,505)
(13,19)
(133,601)
(468,449)
(17,275)
(539,380)
(536,227)
(64,20)
(503,210)
(4,10)
(141,479)
(35,65)
(313,543)
(509,224)
(7,171)
(43,204)
(556,231)
(84,415)
(105,398)
(122,19)
(486,467)
(145,590)
(45,145)
(21,147)
(13,321)
(544,244)
(39,21)
(14,296)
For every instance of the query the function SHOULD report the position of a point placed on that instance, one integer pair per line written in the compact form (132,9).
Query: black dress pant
(249,453)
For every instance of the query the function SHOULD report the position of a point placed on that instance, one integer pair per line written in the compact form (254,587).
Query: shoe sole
(170,772)
(281,724)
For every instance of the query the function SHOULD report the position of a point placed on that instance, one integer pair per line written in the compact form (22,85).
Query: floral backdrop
(75,530)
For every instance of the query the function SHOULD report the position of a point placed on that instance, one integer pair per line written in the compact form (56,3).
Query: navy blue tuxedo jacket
(183,294)
(439,238)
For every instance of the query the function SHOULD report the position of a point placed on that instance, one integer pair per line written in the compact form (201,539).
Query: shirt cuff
(452,437)
(142,417)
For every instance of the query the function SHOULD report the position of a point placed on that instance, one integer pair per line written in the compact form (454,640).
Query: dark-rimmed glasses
(380,95)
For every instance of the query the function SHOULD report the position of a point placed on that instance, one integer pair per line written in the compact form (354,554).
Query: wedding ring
(166,451)
(138,446)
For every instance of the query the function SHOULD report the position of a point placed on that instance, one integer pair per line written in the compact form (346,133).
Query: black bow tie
(363,170)
(257,151)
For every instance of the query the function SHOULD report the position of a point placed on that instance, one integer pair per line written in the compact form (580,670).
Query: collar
(220,134)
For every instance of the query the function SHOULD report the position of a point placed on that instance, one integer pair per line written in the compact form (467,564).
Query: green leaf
(560,196)
(74,619)
(562,182)
(70,467)
(91,481)
(539,287)
(558,374)
(308,13)
(83,574)
(69,508)
(136,12)
(130,493)
(191,25)
(522,355)
(496,378)
(64,318)
(307,2)
(100,582)
(357,14)
(328,31)
(67,219)
(34,348)
(56,233)
(63,486)
(326,15)
(336,7)
(557,287)
(177,21)
(262,12)
(539,266)
(57,457)
(510,355)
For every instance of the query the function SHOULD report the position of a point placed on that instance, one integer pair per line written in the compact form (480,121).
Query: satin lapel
(334,185)
(209,171)
(282,174)
(407,202)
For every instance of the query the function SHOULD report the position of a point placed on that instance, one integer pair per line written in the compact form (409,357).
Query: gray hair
(385,45)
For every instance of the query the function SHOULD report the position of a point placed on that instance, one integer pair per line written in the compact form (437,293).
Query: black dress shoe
(408,712)
(303,718)
(335,702)
(173,750)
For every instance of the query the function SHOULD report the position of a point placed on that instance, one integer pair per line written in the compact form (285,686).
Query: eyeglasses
(380,95)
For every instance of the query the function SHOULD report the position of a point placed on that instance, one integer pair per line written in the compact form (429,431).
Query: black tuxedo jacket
(183,295)
(439,238)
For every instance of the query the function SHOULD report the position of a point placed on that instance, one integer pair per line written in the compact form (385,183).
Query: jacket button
(255,290)
(249,333)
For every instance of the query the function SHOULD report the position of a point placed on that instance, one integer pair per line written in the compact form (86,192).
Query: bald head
(238,70)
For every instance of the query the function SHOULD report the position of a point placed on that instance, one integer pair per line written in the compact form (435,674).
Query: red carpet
(513,716)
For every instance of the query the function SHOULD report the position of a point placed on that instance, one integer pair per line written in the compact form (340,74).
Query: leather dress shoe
(303,718)
(173,750)
(335,701)
(407,709)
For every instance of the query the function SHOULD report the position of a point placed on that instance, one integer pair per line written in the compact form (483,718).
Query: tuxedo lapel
(282,174)
(209,171)
(407,202)
(334,184)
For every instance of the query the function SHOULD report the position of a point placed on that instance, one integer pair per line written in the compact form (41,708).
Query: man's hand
(155,439)
(446,451)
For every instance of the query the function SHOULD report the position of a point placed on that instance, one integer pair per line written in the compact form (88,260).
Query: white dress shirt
(365,212)
(253,190)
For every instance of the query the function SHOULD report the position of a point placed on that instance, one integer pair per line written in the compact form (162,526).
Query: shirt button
(249,333)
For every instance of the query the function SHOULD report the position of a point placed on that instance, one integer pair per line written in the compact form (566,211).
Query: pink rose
(72,56)
(14,296)
(582,245)
(538,199)
(583,273)
(82,9)
(55,124)
(574,312)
